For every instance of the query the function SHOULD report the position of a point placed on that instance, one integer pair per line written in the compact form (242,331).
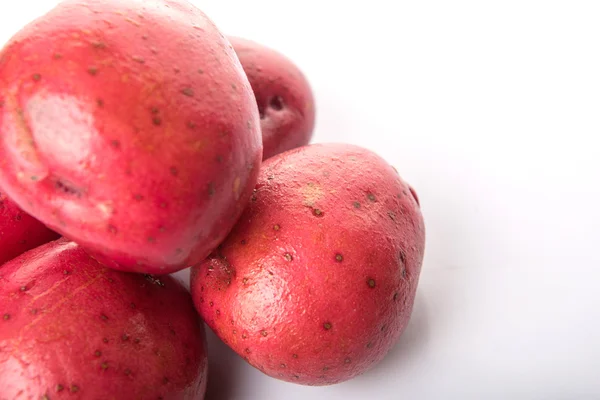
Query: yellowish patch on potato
(312,193)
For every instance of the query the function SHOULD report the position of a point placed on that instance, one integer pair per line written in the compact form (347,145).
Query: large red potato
(19,231)
(130,127)
(72,328)
(283,94)
(317,280)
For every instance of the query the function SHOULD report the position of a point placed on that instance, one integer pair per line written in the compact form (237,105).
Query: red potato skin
(317,280)
(129,127)
(71,328)
(283,95)
(19,231)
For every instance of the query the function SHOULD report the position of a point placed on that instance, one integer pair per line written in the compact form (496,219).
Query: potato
(130,128)
(283,94)
(72,327)
(317,280)
(19,231)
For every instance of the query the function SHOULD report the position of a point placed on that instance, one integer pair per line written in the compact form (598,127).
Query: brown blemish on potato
(104,366)
(74,388)
(317,212)
(36,77)
(371,197)
(282,366)
(288,257)
(371,283)
(327,326)
(369,345)
(112,229)
(276,227)
(6,317)
(356,204)
(276,103)
(396,296)
(244,336)
(264,333)
(157,121)
(103,317)
(100,103)
(97,353)
(339,257)
(188,91)
(138,197)
(347,361)
(211,304)
(165,380)
(294,355)
(247,350)
(174,171)
(125,337)
(57,56)
(98,44)
(59,388)
(211,189)
(93,71)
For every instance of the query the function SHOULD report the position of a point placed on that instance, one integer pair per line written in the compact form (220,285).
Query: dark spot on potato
(327,326)
(243,242)
(188,91)
(369,345)
(136,340)
(321,376)
(264,333)
(282,365)
(276,227)
(296,376)
(103,317)
(23,289)
(249,125)
(234,87)
(157,121)
(165,380)
(6,317)
(162,205)
(67,188)
(138,197)
(34,311)
(276,103)
(93,71)
(104,366)
(100,103)
(392,215)
(115,144)
(371,197)
(57,56)
(402,257)
(294,355)
(339,257)
(396,296)
(211,189)
(245,281)
(45,397)
(200,71)
(347,361)
(125,337)
(74,388)
(383,328)
(248,351)
(218,312)
(356,204)
(36,77)
(66,272)
(371,283)
(97,353)
(151,239)
(174,171)
(288,257)
(105,340)
(59,388)
(138,59)
(244,336)
(98,44)
(144,37)
(211,304)
(127,371)
(414,195)
(112,229)
(317,212)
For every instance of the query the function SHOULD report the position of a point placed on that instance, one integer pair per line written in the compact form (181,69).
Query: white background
(491,110)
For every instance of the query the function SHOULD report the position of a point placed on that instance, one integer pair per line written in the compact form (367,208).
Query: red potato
(317,280)
(283,94)
(129,127)
(19,231)
(70,327)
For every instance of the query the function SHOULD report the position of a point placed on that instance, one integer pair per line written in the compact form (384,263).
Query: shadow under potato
(223,369)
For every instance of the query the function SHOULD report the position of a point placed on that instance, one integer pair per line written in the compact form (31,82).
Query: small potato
(317,280)
(285,99)
(72,328)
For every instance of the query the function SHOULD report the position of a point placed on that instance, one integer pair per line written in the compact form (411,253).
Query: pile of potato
(137,140)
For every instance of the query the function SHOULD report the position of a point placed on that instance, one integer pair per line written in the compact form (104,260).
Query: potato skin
(19,231)
(284,96)
(130,127)
(72,327)
(317,280)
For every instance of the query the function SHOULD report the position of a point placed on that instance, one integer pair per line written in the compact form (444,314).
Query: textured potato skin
(72,328)
(284,96)
(19,231)
(317,280)
(130,127)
